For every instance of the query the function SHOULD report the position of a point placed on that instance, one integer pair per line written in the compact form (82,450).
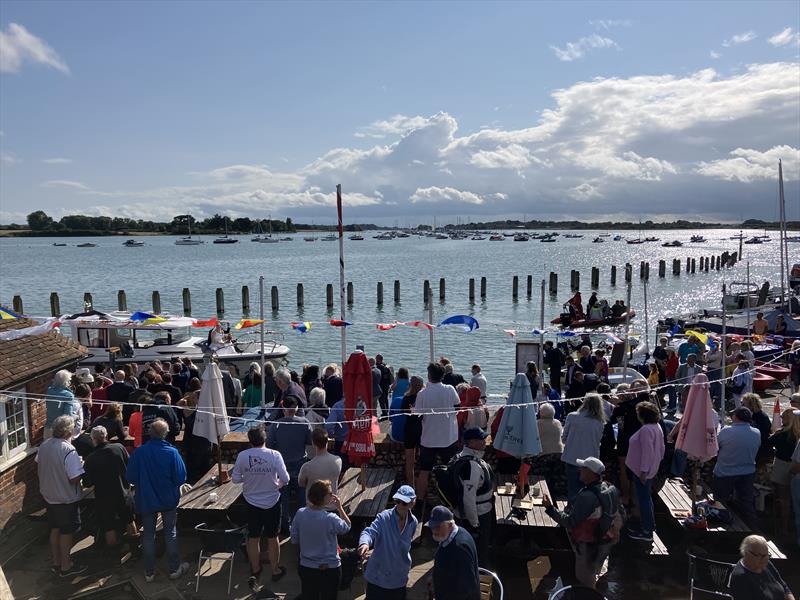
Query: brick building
(27,365)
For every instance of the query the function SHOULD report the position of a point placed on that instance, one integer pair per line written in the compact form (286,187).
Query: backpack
(449,480)
(613,513)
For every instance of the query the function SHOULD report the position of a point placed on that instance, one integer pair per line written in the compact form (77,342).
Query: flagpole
(724,355)
(541,337)
(261,317)
(341,270)
(780,227)
(646,326)
(430,321)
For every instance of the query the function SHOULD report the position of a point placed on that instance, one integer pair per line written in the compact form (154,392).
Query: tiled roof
(28,357)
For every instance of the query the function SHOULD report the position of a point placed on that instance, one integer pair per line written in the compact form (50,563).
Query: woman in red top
(671,370)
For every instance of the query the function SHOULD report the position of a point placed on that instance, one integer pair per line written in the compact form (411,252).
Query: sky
(460,111)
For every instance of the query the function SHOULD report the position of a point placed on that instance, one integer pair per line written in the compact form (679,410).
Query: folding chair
(216,542)
(710,577)
(490,581)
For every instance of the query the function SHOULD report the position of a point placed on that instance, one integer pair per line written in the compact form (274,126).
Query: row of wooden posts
(706,264)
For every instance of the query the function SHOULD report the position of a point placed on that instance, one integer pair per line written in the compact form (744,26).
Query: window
(13,425)
(93,338)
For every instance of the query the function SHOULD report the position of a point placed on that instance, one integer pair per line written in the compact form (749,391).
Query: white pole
(781,217)
(430,320)
(261,316)
(724,355)
(748,298)
(341,271)
(646,322)
(627,329)
(541,337)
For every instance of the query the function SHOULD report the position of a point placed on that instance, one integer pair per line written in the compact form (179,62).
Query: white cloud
(607,24)
(714,55)
(610,143)
(66,183)
(785,38)
(740,38)
(57,161)
(575,50)
(445,194)
(394,125)
(749,165)
(18,46)
(9,159)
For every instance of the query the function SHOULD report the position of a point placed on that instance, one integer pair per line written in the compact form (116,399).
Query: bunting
(7,315)
(245,323)
(465,322)
(386,326)
(421,324)
(339,323)
(302,327)
(212,322)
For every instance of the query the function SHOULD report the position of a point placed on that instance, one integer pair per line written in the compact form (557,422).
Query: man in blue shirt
(389,536)
(736,462)
(157,471)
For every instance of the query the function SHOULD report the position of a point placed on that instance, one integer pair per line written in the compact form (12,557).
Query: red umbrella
(359,445)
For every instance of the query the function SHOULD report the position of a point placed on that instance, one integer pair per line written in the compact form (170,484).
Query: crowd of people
(606,450)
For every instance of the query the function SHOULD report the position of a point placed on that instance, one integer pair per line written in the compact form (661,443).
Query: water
(33,267)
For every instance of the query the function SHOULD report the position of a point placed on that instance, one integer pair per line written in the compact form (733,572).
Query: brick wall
(19,484)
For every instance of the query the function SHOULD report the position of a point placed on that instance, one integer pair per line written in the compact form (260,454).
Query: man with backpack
(470,484)
(593,520)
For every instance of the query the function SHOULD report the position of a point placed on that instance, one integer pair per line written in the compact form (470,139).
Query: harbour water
(33,267)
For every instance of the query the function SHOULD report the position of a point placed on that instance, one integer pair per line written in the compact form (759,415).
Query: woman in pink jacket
(645,452)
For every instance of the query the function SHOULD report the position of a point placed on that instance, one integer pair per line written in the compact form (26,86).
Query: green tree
(39,221)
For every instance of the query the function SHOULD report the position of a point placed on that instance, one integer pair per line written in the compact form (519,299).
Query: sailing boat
(267,239)
(224,239)
(189,240)
(639,239)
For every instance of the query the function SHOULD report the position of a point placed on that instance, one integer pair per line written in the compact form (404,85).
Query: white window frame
(7,455)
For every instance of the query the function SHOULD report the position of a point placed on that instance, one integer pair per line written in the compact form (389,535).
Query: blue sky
(455,109)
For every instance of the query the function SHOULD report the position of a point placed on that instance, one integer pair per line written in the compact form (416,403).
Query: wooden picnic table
(675,496)
(198,497)
(366,503)
(536,516)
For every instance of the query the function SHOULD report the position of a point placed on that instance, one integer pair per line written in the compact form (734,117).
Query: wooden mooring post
(595,278)
(187,302)
(350,292)
(245,300)
(441,289)
(122,300)
(55,305)
(274,297)
(220,297)
(471,292)
(553,283)
(613,275)
(301,297)
(379,293)
(529,287)
(397,291)
(515,287)
(483,288)
(329,295)
(156,302)
(16,304)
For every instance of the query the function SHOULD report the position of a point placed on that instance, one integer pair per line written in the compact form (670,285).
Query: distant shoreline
(356,227)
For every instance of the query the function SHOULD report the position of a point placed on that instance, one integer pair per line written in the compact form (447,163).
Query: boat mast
(782,218)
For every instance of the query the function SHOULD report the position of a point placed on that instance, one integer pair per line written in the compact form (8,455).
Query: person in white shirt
(324,465)
(262,473)
(60,469)
(439,431)
(478,380)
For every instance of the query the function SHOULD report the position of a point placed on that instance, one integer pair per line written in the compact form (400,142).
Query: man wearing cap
(476,510)
(581,518)
(455,565)
(389,537)
(736,462)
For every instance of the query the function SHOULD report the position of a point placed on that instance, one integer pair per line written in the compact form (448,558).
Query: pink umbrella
(697,433)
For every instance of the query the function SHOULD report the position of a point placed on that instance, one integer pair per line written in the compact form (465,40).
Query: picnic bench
(367,503)
(198,498)
(675,496)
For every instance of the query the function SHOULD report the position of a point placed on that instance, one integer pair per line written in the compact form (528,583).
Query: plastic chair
(488,581)
(216,542)
(576,592)
(710,577)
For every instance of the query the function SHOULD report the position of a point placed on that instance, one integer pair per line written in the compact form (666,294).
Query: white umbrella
(211,421)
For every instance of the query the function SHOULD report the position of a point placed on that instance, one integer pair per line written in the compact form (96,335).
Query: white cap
(595,465)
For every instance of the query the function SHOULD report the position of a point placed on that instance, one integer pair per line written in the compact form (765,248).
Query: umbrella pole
(363,477)
(222,477)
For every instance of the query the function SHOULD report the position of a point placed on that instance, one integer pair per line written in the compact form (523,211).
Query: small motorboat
(310,238)
(761,381)
(521,237)
(672,244)
(286,239)
(697,239)
(594,322)
(598,240)
(133,243)
(189,241)
(356,238)
(224,239)
(574,236)
(635,241)
(497,238)
(477,237)
(754,240)
(547,239)
(617,238)
(651,239)
(332,237)
(58,245)
(777,372)
(87,245)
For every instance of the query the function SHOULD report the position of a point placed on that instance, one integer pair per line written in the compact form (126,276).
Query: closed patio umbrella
(359,445)
(518,434)
(211,420)
(697,433)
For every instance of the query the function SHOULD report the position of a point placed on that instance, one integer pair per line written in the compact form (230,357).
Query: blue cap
(405,493)
(475,433)
(439,515)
